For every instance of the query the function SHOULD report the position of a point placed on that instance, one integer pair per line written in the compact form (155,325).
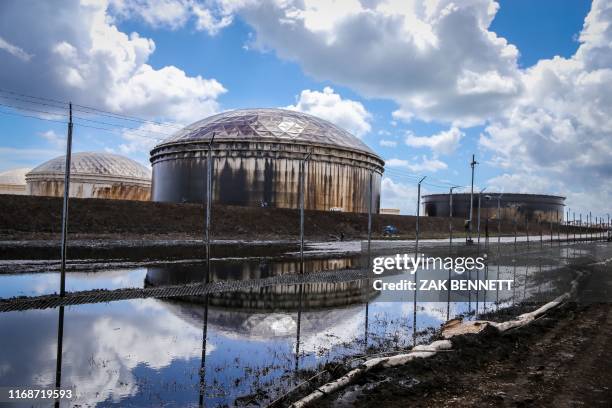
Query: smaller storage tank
(13,181)
(92,175)
(513,206)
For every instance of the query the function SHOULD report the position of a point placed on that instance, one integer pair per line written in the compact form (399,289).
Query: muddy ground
(31,218)
(30,228)
(561,360)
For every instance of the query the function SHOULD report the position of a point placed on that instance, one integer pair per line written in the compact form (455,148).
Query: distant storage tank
(256,162)
(92,175)
(13,181)
(522,207)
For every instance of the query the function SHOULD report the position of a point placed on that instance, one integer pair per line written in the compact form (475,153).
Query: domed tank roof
(268,125)
(94,164)
(14,177)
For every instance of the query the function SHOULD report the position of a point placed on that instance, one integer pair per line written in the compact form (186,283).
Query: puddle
(245,346)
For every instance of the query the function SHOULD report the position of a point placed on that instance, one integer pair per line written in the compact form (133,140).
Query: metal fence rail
(196,289)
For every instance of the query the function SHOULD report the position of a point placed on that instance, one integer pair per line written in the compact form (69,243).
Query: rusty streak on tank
(256,162)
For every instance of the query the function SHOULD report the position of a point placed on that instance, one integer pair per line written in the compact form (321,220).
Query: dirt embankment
(26,217)
(561,360)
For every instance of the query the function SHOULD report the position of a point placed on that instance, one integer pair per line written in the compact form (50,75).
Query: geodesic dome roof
(14,177)
(95,163)
(268,125)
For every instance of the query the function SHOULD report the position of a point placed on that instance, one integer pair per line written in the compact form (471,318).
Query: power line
(86,109)
(33,110)
(416,177)
(140,132)
(114,131)
(32,116)
(58,104)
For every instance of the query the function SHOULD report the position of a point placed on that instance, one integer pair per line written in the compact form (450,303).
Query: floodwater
(234,348)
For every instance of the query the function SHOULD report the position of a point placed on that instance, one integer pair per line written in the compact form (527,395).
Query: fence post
(209,180)
(302,193)
(65,204)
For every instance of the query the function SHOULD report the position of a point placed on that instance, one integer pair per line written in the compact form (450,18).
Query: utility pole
(479,203)
(302,183)
(370,226)
(450,215)
(367,307)
(499,219)
(551,231)
(65,204)
(558,228)
(540,225)
(472,165)
(567,223)
(416,250)
(416,255)
(589,226)
(450,244)
(209,170)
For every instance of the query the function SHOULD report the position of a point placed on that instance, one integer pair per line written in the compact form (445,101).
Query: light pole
(473,164)
(567,223)
(416,255)
(209,170)
(499,219)
(450,215)
(65,205)
(478,225)
(302,182)
(416,247)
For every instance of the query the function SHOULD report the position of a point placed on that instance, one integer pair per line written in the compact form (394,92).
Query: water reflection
(232,347)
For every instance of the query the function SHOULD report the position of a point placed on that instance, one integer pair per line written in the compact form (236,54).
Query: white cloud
(437,60)
(445,142)
(348,114)
(208,21)
(14,50)
(427,165)
(388,143)
(157,13)
(174,14)
(423,164)
(53,138)
(522,183)
(393,162)
(558,136)
(142,139)
(86,58)
(398,195)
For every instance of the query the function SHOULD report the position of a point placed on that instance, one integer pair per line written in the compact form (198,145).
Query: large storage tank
(92,175)
(13,181)
(256,157)
(513,206)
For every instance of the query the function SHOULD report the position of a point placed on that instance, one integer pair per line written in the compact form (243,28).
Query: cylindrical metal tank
(256,157)
(519,207)
(13,181)
(92,175)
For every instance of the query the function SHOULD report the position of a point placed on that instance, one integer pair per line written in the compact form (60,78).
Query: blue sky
(258,61)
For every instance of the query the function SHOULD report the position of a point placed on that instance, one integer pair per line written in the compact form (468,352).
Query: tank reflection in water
(226,349)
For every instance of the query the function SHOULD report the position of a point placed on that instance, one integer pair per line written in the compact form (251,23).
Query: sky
(524,86)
